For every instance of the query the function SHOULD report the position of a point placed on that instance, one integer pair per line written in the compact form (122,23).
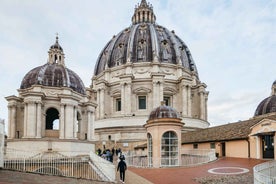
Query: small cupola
(143,13)
(56,54)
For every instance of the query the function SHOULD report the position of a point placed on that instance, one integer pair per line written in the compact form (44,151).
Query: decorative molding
(141,90)
(142,70)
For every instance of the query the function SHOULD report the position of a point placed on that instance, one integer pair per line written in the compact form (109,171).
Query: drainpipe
(248,147)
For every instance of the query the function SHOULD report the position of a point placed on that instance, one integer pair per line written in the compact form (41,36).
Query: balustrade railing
(187,158)
(88,166)
(265,173)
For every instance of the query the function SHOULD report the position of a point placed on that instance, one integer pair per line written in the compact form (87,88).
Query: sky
(233,44)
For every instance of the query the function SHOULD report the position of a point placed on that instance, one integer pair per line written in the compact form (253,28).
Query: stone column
(69,121)
(62,121)
(12,121)
(75,122)
(189,103)
(102,103)
(25,119)
(123,100)
(156,94)
(90,126)
(184,101)
(161,93)
(38,120)
(202,105)
(98,102)
(205,105)
(31,120)
(127,99)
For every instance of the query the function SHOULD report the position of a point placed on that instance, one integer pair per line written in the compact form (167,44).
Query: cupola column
(202,105)
(102,102)
(189,103)
(12,121)
(38,120)
(69,119)
(75,123)
(203,95)
(90,125)
(62,121)
(185,100)
(30,122)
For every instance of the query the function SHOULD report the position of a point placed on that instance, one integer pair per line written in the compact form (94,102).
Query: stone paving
(177,175)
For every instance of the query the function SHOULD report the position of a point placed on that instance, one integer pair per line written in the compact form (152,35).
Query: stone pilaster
(12,121)
(62,121)
(184,96)
(38,120)
(189,101)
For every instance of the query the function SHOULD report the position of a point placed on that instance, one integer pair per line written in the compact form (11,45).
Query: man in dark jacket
(122,167)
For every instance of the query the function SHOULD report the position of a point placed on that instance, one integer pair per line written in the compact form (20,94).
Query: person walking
(122,167)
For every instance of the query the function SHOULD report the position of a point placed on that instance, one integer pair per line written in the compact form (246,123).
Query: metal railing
(197,156)
(188,158)
(265,173)
(88,166)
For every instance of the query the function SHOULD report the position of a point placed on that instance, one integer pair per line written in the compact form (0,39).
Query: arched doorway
(52,123)
(169,149)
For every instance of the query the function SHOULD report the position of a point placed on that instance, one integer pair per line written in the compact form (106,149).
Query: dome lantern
(143,13)
(56,54)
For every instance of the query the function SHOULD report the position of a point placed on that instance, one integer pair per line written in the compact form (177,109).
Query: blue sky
(233,43)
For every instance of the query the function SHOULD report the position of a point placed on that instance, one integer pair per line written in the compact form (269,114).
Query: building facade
(53,110)
(138,68)
(252,138)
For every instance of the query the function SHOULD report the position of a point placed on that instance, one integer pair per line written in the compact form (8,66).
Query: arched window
(169,149)
(149,150)
(52,119)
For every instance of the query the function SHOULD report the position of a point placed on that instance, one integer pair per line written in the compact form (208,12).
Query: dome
(268,105)
(145,41)
(163,111)
(56,45)
(53,73)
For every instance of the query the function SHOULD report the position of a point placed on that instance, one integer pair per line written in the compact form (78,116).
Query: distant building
(2,142)
(138,68)
(53,110)
(252,138)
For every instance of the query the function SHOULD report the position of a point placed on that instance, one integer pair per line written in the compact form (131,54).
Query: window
(118,104)
(195,146)
(212,145)
(169,149)
(167,100)
(142,102)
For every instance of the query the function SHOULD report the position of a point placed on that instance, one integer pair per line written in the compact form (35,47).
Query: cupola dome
(268,105)
(53,73)
(163,111)
(145,41)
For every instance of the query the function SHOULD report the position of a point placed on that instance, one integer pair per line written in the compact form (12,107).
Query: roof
(163,111)
(232,131)
(145,42)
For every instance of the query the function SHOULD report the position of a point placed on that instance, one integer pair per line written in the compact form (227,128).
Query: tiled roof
(232,131)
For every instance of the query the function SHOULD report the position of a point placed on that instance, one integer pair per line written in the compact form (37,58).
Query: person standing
(122,167)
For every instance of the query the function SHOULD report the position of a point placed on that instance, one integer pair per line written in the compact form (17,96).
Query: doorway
(222,149)
(268,146)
